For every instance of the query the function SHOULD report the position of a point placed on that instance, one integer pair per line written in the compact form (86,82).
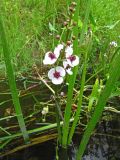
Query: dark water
(103,145)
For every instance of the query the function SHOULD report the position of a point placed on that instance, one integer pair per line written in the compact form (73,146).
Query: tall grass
(114,74)
(12,83)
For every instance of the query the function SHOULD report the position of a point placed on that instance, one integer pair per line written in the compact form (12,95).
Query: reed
(12,83)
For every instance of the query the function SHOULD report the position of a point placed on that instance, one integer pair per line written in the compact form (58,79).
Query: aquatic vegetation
(62,55)
(56,75)
(62,62)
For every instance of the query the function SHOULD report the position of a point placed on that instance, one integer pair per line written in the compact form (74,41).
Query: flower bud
(71,9)
(65,23)
(73,37)
(52,97)
(68,43)
(68,20)
(73,4)
(58,37)
(62,94)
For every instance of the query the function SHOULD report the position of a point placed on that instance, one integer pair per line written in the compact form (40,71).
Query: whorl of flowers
(62,55)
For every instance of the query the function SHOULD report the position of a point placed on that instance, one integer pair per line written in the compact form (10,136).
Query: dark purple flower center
(72,58)
(52,56)
(57,74)
(68,66)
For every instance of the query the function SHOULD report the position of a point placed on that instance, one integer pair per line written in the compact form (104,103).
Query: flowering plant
(62,54)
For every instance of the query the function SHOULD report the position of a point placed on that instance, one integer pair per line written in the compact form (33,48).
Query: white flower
(50,58)
(67,67)
(58,49)
(56,75)
(72,60)
(45,110)
(69,50)
(113,44)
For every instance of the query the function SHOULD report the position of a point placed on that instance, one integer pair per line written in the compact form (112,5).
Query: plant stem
(58,115)
(73,77)
(76,118)
(12,83)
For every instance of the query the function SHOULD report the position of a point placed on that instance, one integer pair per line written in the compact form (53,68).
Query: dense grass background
(31,25)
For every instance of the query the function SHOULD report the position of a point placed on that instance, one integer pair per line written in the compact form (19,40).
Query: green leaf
(94,95)
(112,26)
(12,83)
(80,24)
(115,93)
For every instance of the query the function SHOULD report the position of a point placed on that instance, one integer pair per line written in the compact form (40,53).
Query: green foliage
(114,74)
(94,95)
(31,27)
(71,84)
(12,83)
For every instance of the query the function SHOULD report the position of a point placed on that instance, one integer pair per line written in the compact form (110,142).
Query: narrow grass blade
(12,83)
(114,74)
(5,143)
(33,131)
(5,131)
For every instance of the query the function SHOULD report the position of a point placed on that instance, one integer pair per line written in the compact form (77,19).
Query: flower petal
(57,52)
(51,73)
(61,70)
(48,60)
(60,46)
(57,80)
(69,51)
(69,71)
(65,64)
(58,49)
(76,61)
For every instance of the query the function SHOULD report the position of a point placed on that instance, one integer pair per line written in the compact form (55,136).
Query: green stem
(12,83)
(73,77)
(76,118)
(33,131)
(58,115)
